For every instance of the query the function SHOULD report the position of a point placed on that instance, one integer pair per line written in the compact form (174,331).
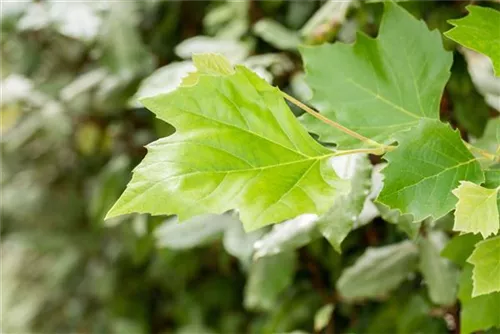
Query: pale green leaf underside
(427,165)
(486,272)
(267,279)
(380,86)
(336,224)
(440,274)
(479,31)
(378,271)
(237,146)
(476,210)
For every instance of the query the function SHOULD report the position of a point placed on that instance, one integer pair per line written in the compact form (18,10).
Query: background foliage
(72,130)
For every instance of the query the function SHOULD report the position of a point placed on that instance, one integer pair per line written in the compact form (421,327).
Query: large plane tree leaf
(476,210)
(380,86)
(479,31)
(427,165)
(237,145)
(486,272)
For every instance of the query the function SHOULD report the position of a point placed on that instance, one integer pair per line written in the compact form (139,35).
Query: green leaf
(268,277)
(460,248)
(413,317)
(237,146)
(479,31)
(378,271)
(378,87)
(427,165)
(440,275)
(486,261)
(477,313)
(476,210)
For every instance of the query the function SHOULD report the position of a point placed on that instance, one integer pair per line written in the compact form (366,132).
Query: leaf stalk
(484,153)
(380,148)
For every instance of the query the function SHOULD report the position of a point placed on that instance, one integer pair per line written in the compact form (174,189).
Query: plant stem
(375,151)
(337,125)
(484,153)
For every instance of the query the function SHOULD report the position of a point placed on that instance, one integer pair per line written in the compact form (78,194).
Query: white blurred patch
(482,75)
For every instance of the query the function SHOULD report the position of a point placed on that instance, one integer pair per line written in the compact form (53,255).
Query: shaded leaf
(378,271)
(267,279)
(440,275)
(477,313)
(460,247)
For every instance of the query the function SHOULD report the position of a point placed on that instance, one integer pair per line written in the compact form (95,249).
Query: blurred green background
(72,131)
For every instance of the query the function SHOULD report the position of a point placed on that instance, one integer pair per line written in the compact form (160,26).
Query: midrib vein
(155,183)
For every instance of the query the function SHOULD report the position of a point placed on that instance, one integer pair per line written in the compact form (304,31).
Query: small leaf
(476,210)
(378,271)
(439,273)
(477,313)
(268,277)
(378,87)
(486,261)
(237,146)
(427,165)
(322,317)
(479,31)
